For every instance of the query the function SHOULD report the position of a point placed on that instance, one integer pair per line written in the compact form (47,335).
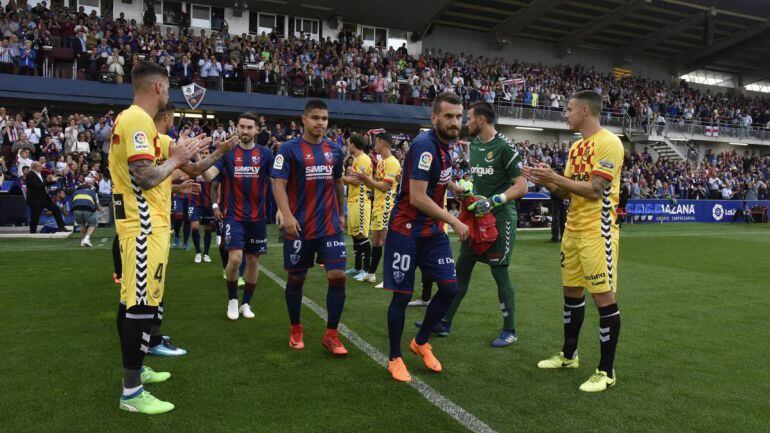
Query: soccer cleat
(117,280)
(85,243)
(241,282)
(165,348)
(426,352)
(232,309)
(380,286)
(370,278)
(418,303)
(175,243)
(246,311)
(598,382)
(295,337)
(506,338)
(206,258)
(352,271)
(559,361)
(186,247)
(441,329)
(360,276)
(145,402)
(148,375)
(332,342)
(398,370)
(224,274)
(197,258)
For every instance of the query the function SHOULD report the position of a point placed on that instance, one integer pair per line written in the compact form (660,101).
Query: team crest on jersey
(294,259)
(490,157)
(398,276)
(328,156)
(255,159)
(425,160)
(278,162)
(141,142)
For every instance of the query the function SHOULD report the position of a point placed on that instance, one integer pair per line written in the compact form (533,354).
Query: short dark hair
(386,137)
(449,97)
(482,108)
(249,116)
(314,104)
(590,98)
(169,108)
(145,69)
(358,141)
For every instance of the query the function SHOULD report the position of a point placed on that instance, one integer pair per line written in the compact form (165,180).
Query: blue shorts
(299,254)
(178,206)
(199,213)
(247,236)
(404,253)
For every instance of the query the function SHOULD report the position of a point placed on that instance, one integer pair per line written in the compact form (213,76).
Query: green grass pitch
(694,302)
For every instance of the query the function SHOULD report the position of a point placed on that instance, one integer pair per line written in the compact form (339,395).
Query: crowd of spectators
(344,68)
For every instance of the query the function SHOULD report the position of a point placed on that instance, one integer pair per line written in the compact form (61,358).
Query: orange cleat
(295,337)
(426,351)
(332,342)
(398,370)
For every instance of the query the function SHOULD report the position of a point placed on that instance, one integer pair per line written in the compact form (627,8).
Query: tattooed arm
(148,175)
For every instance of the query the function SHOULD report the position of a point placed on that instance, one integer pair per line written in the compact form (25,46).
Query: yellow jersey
(357,193)
(388,171)
(137,211)
(166,143)
(598,155)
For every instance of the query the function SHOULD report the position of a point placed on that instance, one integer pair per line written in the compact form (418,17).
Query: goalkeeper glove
(484,205)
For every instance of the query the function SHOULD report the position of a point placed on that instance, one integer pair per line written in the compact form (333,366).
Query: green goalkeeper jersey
(494,167)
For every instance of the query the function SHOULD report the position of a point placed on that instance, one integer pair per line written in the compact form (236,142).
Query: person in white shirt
(218,135)
(23,160)
(105,186)
(342,88)
(33,133)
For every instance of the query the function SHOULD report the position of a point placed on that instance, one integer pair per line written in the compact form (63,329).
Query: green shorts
(499,254)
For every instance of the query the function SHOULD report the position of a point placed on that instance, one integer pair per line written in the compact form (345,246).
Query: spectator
(115,65)
(27,60)
(38,198)
(85,204)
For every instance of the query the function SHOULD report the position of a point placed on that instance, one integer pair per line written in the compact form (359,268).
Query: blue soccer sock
(436,309)
(196,236)
(294,296)
(248,292)
(335,301)
(232,289)
(186,231)
(396,318)
(206,242)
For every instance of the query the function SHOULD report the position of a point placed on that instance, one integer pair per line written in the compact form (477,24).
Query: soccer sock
(117,262)
(248,292)
(375,262)
(206,241)
(156,337)
(358,253)
(505,294)
(335,301)
(366,253)
(242,269)
(186,230)
(223,254)
(609,331)
(574,311)
(197,241)
(177,224)
(464,267)
(396,318)
(294,296)
(436,310)
(134,342)
(427,285)
(121,317)
(232,289)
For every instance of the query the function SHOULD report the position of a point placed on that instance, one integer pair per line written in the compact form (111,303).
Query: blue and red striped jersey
(203,199)
(311,171)
(428,159)
(245,179)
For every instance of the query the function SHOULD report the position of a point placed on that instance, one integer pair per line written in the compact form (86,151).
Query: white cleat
(418,303)
(206,258)
(360,276)
(380,286)
(85,243)
(246,311)
(232,309)
(198,258)
(370,278)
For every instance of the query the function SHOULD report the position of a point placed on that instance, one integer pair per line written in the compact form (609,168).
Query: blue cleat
(352,271)
(506,338)
(165,348)
(175,243)
(186,247)
(441,329)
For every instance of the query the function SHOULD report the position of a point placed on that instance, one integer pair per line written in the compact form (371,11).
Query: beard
(474,131)
(447,134)
(246,139)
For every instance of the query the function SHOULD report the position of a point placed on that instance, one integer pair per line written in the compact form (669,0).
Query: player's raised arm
(148,175)
(418,198)
(204,166)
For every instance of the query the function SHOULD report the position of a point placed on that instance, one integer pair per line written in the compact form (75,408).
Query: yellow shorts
(590,262)
(359,217)
(380,218)
(144,268)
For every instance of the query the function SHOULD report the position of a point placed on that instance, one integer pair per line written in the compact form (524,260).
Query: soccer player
(385,186)
(496,170)
(245,175)
(416,234)
(308,190)
(589,248)
(359,207)
(200,213)
(141,166)
(181,203)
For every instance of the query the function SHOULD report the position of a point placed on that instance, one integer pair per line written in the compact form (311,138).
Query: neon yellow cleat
(598,382)
(145,403)
(559,361)
(148,375)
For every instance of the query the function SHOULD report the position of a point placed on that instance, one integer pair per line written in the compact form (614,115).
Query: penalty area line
(467,419)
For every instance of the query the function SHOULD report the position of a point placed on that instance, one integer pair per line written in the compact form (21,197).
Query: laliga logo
(718,212)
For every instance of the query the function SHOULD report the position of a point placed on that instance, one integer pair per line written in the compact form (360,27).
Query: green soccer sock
(505,293)
(464,269)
